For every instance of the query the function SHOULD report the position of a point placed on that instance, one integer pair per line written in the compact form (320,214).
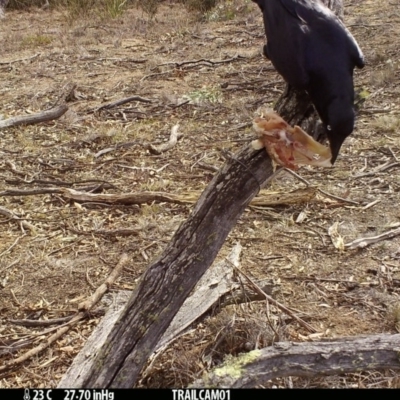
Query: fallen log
(310,359)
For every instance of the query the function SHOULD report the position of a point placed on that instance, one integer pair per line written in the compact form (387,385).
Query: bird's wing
(357,55)
(304,10)
(314,12)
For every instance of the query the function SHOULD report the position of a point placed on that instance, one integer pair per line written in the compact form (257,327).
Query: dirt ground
(209,77)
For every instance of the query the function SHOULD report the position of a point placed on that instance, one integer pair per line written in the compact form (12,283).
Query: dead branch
(379,168)
(19,59)
(127,199)
(83,361)
(116,147)
(203,61)
(43,116)
(29,192)
(173,140)
(323,192)
(98,294)
(298,196)
(334,357)
(111,232)
(123,101)
(33,323)
(366,241)
(265,198)
(276,303)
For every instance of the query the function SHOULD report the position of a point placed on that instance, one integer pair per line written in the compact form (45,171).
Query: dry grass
(45,272)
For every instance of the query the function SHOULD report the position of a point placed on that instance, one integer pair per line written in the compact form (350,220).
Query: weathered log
(308,359)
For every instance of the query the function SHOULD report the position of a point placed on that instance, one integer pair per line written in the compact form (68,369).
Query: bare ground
(67,250)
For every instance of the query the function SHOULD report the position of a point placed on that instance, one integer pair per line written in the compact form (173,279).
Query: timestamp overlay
(118,394)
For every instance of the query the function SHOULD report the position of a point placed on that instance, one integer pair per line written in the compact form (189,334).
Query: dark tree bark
(307,359)
(169,280)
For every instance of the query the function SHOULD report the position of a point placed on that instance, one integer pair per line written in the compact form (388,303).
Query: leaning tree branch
(306,359)
(169,280)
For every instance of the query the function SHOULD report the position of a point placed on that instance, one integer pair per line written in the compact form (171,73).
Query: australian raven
(313,51)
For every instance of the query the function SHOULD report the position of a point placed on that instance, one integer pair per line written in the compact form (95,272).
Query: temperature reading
(38,395)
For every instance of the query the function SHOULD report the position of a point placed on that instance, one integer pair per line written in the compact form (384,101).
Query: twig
(301,179)
(98,294)
(318,279)
(35,323)
(29,192)
(276,303)
(157,171)
(156,74)
(116,147)
(320,190)
(13,245)
(123,101)
(366,241)
(19,60)
(380,168)
(369,205)
(204,61)
(207,167)
(173,139)
(111,232)
(333,196)
(393,155)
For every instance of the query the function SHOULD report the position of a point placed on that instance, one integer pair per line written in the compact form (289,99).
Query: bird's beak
(335,146)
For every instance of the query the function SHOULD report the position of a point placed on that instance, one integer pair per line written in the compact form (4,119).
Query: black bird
(313,51)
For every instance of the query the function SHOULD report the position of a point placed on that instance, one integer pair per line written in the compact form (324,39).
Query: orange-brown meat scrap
(287,146)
